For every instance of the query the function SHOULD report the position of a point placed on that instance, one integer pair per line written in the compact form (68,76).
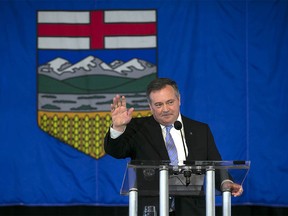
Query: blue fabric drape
(230,61)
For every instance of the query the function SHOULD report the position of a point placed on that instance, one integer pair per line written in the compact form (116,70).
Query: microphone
(187,173)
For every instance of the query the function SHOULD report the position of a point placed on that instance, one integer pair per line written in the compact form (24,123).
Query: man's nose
(165,107)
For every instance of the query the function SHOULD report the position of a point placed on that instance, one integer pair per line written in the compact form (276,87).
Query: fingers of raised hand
(118,102)
(123,101)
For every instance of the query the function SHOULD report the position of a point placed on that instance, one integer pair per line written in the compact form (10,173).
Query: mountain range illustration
(91,75)
(62,69)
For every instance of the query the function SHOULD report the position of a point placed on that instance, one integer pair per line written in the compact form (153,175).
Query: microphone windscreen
(177,125)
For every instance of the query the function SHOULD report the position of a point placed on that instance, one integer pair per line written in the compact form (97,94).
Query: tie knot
(168,128)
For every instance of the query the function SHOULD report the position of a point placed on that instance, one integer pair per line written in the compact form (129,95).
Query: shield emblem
(84,58)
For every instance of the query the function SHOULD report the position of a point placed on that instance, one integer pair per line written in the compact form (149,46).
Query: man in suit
(145,138)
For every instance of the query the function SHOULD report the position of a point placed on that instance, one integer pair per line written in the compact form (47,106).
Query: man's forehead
(159,98)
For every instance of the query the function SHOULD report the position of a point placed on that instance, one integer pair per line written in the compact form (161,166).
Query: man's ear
(150,108)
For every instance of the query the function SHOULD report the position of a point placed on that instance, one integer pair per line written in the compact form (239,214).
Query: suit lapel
(157,137)
(189,138)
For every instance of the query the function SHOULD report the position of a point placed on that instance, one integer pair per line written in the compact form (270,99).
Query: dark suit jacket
(143,140)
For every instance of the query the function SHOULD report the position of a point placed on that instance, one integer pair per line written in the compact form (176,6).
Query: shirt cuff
(114,133)
(227,180)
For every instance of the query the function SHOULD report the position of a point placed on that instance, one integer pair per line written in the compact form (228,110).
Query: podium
(193,178)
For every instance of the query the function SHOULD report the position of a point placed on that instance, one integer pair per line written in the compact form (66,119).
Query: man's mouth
(166,115)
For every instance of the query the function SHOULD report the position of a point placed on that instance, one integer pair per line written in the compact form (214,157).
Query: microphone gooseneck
(187,173)
(178,126)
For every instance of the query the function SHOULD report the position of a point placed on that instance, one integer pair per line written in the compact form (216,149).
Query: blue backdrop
(230,61)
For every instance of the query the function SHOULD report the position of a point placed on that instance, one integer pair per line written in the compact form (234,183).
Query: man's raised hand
(121,116)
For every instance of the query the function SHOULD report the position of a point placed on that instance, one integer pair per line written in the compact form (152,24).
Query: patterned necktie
(171,148)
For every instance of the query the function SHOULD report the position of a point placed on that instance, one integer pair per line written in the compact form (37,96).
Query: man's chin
(167,121)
